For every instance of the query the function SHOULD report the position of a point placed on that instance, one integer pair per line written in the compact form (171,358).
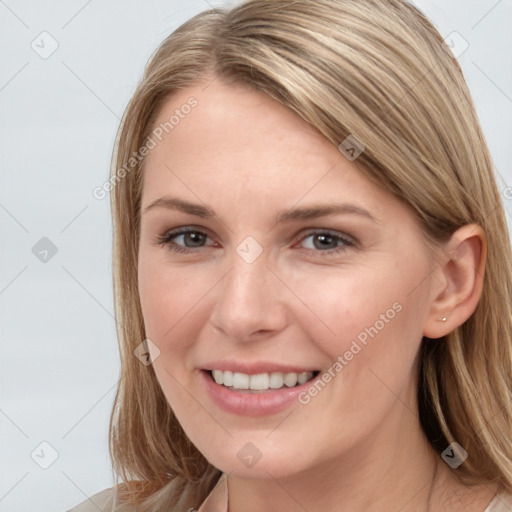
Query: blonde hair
(376,69)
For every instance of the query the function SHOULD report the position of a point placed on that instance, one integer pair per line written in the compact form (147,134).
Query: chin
(257,462)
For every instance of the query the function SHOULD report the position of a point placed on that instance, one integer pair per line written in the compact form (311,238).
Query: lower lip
(244,403)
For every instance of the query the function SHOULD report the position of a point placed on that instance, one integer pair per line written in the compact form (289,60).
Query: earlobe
(462,268)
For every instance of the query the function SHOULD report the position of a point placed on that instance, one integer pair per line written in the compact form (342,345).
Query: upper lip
(255,367)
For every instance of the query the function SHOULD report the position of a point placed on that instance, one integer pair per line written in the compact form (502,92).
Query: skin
(358,444)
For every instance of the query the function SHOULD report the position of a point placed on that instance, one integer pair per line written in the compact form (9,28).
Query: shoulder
(178,494)
(99,502)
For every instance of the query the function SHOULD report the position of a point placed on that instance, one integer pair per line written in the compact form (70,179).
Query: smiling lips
(256,388)
(261,381)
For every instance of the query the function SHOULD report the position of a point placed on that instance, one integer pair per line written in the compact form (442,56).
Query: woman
(312,271)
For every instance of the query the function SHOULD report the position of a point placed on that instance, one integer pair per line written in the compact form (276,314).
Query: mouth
(260,382)
(256,388)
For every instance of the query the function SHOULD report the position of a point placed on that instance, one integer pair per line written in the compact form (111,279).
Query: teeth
(303,377)
(218,376)
(241,380)
(290,379)
(228,378)
(276,380)
(260,381)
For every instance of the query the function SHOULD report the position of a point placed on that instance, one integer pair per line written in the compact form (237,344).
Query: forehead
(234,120)
(238,144)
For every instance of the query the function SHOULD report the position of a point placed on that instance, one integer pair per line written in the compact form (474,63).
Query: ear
(456,294)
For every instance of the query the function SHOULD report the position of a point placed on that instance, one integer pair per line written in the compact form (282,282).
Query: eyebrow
(305,213)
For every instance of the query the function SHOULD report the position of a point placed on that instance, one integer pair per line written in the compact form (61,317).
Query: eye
(326,241)
(188,239)
(185,239)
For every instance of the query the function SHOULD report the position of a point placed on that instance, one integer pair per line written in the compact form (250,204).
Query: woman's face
(267,258)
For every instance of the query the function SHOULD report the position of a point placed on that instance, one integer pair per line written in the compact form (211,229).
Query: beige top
(502,502)
(217,501)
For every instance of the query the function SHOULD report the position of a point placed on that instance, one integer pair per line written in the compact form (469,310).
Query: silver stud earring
(443,319)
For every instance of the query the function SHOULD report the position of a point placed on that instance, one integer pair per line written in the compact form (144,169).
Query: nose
(249,301)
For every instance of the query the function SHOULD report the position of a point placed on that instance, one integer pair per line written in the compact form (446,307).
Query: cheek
(170,298)
(364,319)
(337,305)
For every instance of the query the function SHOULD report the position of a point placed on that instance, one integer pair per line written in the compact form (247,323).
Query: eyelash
(167,239)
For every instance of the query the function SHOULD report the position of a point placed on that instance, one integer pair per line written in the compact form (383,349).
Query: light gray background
(59,115)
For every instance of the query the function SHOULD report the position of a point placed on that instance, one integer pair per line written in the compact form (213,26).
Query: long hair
(375,69)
